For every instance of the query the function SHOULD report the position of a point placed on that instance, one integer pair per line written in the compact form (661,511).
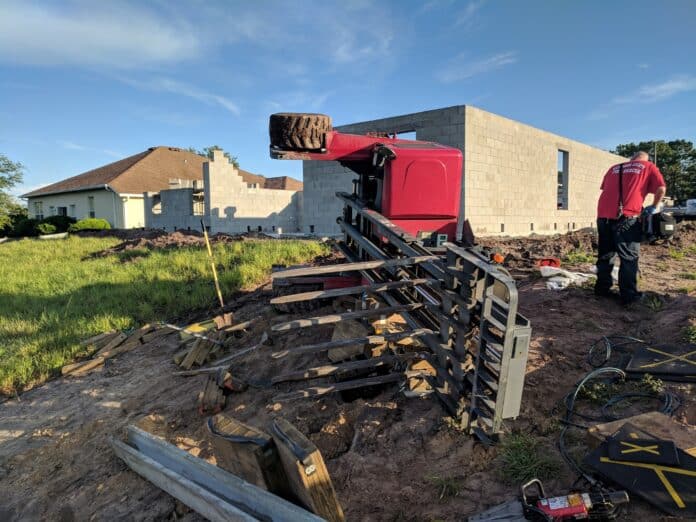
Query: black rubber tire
(299,131)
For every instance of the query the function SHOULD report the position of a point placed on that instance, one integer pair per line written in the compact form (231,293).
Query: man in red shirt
(624,189)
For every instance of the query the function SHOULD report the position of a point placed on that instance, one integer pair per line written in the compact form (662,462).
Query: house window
(156,204)
(51,210)
(62,211)
(198,205)
(72,211)
(562,191)
(38,210)
(90,206)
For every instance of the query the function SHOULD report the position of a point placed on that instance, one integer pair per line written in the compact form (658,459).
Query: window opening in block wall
(502,227)
(311,229)
(410,135)
(562,191)
(531,227)
(555,226)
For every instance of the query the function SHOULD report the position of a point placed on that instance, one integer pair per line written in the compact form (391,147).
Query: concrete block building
(517,179)
(228,200)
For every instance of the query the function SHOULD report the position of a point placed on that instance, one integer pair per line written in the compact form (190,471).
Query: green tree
(676,160)
(207,152)
(11,174)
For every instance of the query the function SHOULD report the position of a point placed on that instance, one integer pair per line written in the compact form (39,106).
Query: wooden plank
(98,338)
(225,485)
(192,355)
(240,326)
(347,330)
(369,339)
(317,391)
(331,369)
(307,475)
(193,495)
(158,333)
(335,318)
(248,453)
(655,423)
(82,366)
(113,343)
(351,290)
(185,333)
(350,267)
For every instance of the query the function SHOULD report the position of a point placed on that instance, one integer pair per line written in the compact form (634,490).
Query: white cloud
(299,101)
(643,65)
(461,69)
(467,17)
(659,91)
(71,145)
(93,34)
(162,84)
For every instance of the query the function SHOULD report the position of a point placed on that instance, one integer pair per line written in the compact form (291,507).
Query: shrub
(62,223)
(90,224)
(25,227)
(46,228)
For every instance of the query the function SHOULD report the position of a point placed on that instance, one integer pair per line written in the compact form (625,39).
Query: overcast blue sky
(84,83)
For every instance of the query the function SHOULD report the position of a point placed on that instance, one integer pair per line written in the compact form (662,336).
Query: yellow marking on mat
(670,358)
(634,448)
(633,435)
(691,451)
(660,472)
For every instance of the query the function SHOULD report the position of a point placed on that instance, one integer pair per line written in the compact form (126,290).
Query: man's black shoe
(637,300)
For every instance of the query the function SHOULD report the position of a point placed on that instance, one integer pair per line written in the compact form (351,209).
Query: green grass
(447,487)
(689,334)
(577,256)
(688,275)
(522,458)
(677,254)
(53,294)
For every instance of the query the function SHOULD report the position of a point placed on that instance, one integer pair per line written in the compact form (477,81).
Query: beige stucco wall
(510,177)
(133,211)
(107,205)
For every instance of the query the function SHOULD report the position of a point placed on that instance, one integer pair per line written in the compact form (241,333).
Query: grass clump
(688,275)
(578,256)
(690,334)
(676,254)
(447,487)
(55,294)
(522,458)
(90,224)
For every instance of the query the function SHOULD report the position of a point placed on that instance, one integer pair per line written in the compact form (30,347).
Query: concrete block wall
(322,179)
(511,177)
(176,210)
(232,206)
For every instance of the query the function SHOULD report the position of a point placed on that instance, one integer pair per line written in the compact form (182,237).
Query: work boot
(639,299)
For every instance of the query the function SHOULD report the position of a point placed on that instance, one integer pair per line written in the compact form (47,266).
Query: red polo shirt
(640,178)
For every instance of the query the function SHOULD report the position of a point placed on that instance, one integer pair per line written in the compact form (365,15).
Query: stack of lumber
(110,344)
(204,342)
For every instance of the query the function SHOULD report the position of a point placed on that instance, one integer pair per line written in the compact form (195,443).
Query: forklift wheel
(299,131)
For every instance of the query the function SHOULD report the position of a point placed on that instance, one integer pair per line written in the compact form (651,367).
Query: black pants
(622,237)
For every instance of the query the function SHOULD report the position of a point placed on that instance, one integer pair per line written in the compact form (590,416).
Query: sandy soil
(382,451)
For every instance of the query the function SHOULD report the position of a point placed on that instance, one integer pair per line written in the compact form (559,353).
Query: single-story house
(115,192)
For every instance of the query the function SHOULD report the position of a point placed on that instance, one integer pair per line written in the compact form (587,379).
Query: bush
(25,227)
(90,224)
(62,223)
(46,228)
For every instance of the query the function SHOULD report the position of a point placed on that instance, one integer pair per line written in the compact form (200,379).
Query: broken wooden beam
(349,267)
(193,334)
(331,369)
(239,326)
(317,391)
(351,290)
(340,343)
(102,337)
(220,483)
(335,318)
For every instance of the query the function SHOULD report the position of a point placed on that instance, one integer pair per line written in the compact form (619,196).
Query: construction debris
(111,344)
(205,488)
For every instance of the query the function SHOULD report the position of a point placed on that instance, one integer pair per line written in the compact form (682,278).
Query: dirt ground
(384,453)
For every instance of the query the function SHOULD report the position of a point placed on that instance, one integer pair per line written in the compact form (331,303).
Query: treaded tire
(299,130)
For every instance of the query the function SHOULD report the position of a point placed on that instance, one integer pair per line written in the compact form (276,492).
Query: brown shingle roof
(283,183)
(150,171)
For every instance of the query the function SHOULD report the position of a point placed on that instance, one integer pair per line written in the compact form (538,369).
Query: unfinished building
(227,200)
(517,179)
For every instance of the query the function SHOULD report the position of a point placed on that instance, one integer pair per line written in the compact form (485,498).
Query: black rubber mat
(652,451)
(676,360)
(669,488)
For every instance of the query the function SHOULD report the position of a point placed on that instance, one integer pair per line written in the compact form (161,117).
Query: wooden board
(113,343)
(247,452)
(317,391)
(657,424)
(351,290)
(346,267)
(307,475)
